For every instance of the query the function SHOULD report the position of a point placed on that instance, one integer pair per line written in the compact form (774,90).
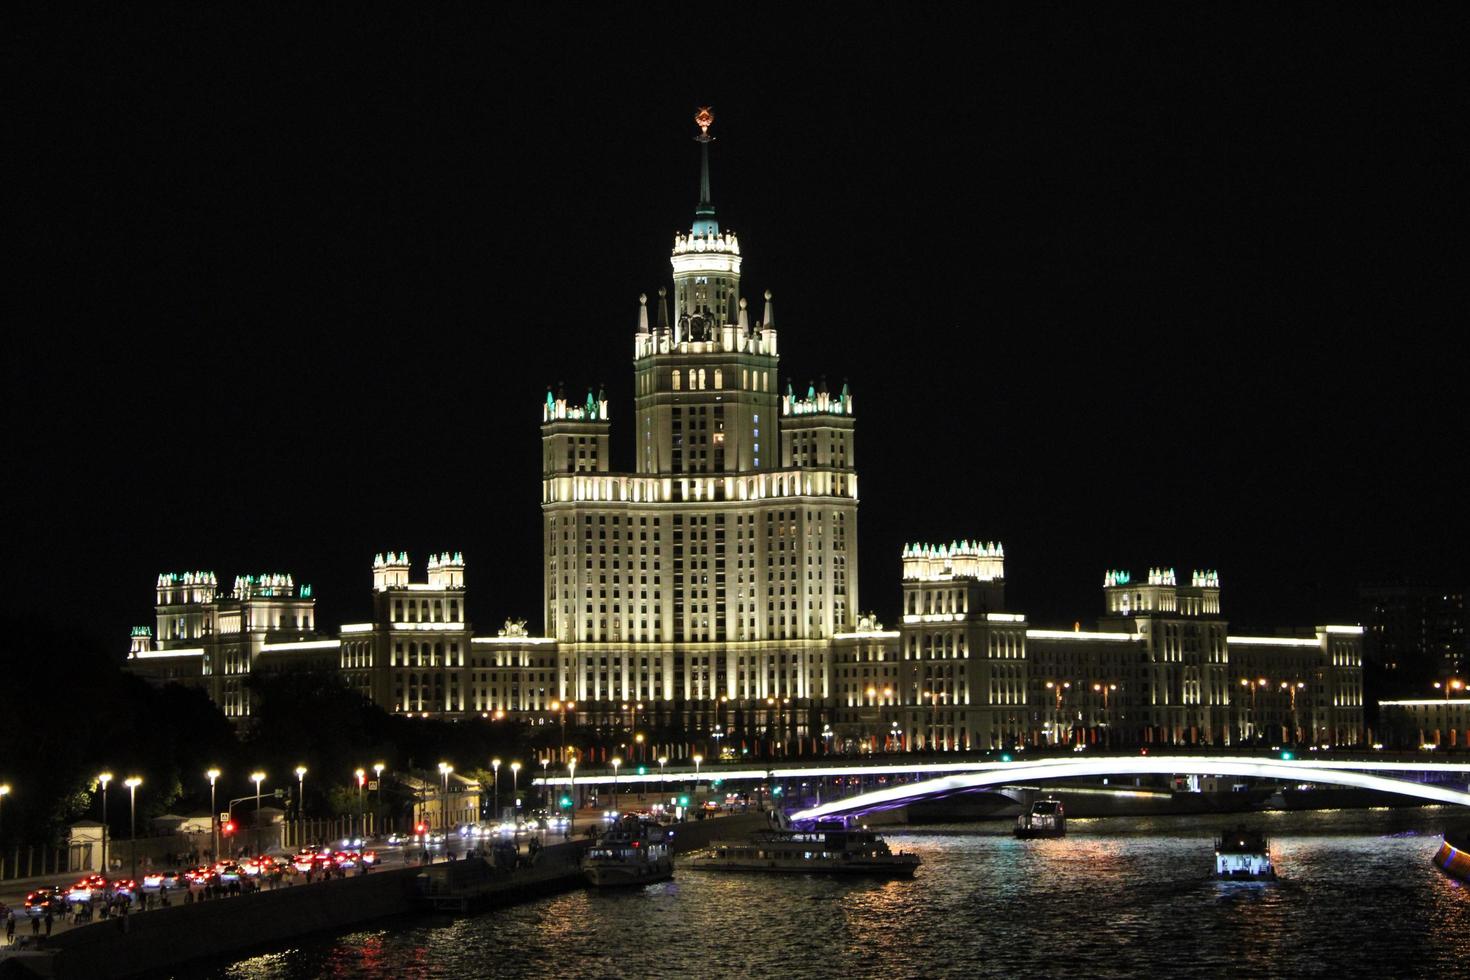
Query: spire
(744,321)
(705,225)
(769,319)
(663,309)
(643,313)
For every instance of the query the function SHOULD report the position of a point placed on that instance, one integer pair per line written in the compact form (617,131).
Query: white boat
(631,852)
(821,850)
(1244,855)
(1046,818)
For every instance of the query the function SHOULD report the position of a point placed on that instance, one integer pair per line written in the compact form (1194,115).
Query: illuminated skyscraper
(720,567)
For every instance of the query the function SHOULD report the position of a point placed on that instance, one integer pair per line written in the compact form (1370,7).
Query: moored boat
(822,850)
(1454,855)
(631,852)
(1046,818)
(1244,855)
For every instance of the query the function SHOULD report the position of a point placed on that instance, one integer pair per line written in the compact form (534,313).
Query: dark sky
(1185,288)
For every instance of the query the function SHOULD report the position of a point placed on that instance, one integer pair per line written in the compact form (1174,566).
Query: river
(1119,897)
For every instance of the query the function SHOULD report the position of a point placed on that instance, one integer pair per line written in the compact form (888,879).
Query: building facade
(714,585)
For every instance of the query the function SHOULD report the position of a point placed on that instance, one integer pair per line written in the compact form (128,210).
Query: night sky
(1183,289)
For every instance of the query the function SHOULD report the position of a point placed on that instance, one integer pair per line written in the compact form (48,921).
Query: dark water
(1116,898)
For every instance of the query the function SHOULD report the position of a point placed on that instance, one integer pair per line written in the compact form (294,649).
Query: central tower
(715,574)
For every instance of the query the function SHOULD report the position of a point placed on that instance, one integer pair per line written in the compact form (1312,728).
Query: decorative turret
(556,409)
(446,571)
(390,572)
(264,585)
(817,400)
(142,641)
(186,587)
(979,560)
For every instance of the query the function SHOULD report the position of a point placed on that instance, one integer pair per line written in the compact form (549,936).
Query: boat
(1244,855)
(630,852)
(1046,818)
(821,850)
(1454,855)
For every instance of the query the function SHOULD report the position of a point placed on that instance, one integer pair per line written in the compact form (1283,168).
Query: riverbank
(167,938)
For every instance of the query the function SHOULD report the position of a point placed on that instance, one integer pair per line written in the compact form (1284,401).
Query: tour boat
(821,850)
(1047,818)
(1454,855)
(631,852)
(1244,855)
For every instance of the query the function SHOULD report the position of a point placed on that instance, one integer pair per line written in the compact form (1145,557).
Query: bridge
(1355,774)
(1434,782)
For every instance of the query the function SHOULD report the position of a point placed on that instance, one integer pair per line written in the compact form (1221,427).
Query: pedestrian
(9,926)
(49,920)
(35,926)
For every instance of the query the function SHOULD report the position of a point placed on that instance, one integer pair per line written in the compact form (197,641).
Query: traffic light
(643,770)
(420,828)
(1286,756)
(228,828)
(566,802)
(683,801)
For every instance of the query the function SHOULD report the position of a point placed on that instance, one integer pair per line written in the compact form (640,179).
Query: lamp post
(697,760)
(132,783)
(361,775)
(300,794)
(615,763)
(515,775)
(444,770)
(572,794)
(1105,689)
(1291,690)
(545,790)
(663,786)
(212,775)
(4,792)
(257,778)
(378,768)
(495,764)
(562,707)
(102,780)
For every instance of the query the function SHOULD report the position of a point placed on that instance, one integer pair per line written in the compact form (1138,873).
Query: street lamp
(4,792)
(444,770)
(378,768)
(132,783)
(495,764)
(697,760)
(212,775)
(663,760)
(615,763)
(361,775)
(257,778)
(103,779)
(300,792)
(515,773)
(572,794)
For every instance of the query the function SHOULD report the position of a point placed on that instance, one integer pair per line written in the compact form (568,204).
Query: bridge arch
(1021,772)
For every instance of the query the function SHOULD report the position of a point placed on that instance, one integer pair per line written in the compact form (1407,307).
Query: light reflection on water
(1116,898)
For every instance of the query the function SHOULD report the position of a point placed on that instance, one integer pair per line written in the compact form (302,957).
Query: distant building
(1416,635)
(714,588)
(1440,722)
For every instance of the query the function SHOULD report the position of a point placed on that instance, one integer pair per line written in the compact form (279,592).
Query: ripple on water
(1116,898)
